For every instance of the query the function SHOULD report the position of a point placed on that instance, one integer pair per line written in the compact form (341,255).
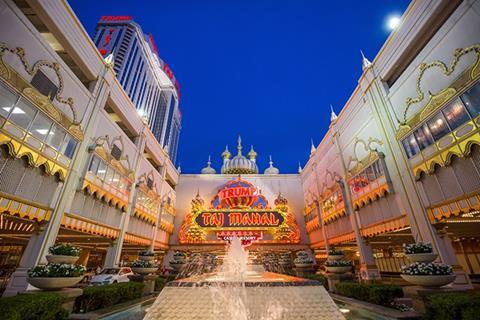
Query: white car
(112,275)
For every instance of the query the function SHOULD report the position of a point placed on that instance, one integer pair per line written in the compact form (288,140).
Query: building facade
(145,77)
(400,163)
(77,162)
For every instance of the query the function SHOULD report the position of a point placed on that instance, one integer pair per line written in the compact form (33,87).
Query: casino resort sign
(239,210)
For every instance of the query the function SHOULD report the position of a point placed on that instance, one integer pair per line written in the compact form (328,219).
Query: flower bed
(100,297)
(335,252)
(146,253)
(39,306)
(419,247)
(338,263)
(380,294)
(143,264)
(452,306)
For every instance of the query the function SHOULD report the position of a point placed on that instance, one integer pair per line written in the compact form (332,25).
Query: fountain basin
(264,296)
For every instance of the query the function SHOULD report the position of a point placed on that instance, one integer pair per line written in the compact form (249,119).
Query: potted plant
(334,254)
(146,255)
(144,267)
(338,266)
(428,274)
(55,276)
(419,252)
(303,260)
(179,259)
(285,259)
(63,254)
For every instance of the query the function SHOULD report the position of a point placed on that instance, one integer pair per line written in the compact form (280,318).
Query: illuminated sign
(251,220)
(115,18)
(239,209)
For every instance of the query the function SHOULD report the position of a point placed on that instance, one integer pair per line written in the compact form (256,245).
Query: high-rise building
(147,79)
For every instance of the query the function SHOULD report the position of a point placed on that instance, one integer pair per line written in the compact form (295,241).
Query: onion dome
(208,169)
(271,169)
(239,164)
(281,200)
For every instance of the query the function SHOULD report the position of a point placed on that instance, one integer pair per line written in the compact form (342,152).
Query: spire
(312,148)
(365,62)
(239,146)
(299,167)
(270,162)
(179,168)
(252,155)
(333,115)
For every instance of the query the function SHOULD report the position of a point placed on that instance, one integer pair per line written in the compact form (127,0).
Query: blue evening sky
(267,70)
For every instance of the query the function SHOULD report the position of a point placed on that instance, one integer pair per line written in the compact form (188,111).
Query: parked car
(112,275)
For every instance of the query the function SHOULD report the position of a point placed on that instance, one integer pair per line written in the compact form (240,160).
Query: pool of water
(350,312)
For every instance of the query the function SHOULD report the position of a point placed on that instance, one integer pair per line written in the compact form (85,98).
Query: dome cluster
(240,164)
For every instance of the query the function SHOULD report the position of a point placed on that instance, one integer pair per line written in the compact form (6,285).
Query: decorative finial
(312,148)
(110,59)
(179,168)
(299,167)
(209,162)
(271,161)
(365,62)
(239,147)
(333,115)
(271,169)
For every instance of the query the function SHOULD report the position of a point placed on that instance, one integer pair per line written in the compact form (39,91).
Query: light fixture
(344,310)
(393,22)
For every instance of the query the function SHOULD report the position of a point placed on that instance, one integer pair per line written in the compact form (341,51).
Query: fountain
(242,291)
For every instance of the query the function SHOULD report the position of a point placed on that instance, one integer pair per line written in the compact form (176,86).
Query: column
(114,251)
(368,268)
(319,207)
(37,247)
(401,174)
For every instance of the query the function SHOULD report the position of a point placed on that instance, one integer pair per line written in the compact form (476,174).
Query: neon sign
(239,208)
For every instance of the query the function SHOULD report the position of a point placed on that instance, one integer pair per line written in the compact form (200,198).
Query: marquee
(239,209)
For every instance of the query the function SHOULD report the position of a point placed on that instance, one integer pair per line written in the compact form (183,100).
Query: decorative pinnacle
(365,62)
(252,154)
(312,148)
(226,154)
(271,161)
(239,147)
(333,115)
(209,162)
(299,167)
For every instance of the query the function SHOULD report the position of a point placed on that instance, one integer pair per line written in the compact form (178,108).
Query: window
(150,183)
(40,127)
(56,137)
(102,169)
(7,101)
(44,85)
(22,114)
(116,152)
(455,113)
(410,145)
(69,145)
(109,175)
(94,164)
(423,136)
(471,99)
(438,126)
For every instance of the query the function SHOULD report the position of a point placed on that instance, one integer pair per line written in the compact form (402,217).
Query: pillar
(114,251)
(37,247)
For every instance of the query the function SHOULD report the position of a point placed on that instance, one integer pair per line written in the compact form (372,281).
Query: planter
(54,283)
(338,269)
(146,258)
(429,281)
(56,258)
(176,266)
(144,270)
(421,257)
(335,257)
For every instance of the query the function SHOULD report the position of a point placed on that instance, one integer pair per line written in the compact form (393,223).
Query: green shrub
(162,281)
(100,297)
(320,278)
(381,294)
(39,306)
(453,306)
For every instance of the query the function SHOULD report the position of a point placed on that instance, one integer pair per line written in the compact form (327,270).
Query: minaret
(252,155)
(226,155)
